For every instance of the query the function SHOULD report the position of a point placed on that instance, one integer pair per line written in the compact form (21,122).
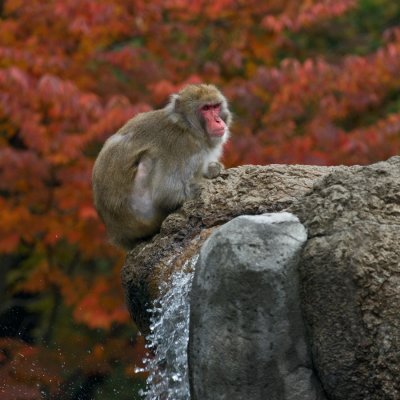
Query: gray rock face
(244,190)
(246,336)
(246,331)
(350,274)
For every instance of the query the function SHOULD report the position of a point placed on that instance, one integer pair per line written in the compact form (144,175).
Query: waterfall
(168,339)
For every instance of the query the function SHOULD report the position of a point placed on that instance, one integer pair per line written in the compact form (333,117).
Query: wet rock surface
(247,337)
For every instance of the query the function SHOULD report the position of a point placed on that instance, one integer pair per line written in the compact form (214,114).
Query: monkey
(155,162)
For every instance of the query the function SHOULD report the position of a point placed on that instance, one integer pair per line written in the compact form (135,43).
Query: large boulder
(350,275)
(237,191)
(349,268)
(247,337)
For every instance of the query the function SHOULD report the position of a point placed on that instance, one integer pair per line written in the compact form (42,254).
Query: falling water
(168,340)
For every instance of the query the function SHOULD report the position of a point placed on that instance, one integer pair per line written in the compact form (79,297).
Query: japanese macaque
(156,160)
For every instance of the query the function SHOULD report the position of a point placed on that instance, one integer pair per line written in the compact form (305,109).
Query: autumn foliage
(309,81)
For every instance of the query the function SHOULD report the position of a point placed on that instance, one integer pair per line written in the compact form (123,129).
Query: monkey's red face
(215,125)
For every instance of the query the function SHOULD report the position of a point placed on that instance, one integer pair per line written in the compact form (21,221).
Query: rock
(237,191)
(350,274)
(247,338)
(349,269)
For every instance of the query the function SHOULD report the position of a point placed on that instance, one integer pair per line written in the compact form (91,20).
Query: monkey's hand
(213,170)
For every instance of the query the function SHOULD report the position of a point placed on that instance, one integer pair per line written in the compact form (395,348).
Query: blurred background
(309,81)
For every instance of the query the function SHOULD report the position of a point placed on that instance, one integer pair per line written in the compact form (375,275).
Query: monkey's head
(202,109)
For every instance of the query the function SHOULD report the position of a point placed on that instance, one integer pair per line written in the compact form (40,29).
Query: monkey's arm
(170,186)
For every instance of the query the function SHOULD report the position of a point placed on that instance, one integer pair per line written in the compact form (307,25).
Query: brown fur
(151,165)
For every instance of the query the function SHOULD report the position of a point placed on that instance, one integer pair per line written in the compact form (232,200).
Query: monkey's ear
(174,103)
(173,108)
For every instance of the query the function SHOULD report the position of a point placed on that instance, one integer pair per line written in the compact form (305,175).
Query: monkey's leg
(141,198)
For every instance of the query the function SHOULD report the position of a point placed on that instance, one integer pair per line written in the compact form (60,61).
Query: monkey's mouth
(218,132)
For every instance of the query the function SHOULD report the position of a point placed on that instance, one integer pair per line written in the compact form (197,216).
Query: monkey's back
(152,134)
(156,131)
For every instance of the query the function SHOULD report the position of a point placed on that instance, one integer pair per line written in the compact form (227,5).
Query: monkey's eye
(209,107)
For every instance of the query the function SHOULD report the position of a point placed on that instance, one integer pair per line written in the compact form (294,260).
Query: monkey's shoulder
(146,122)
(160,129)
